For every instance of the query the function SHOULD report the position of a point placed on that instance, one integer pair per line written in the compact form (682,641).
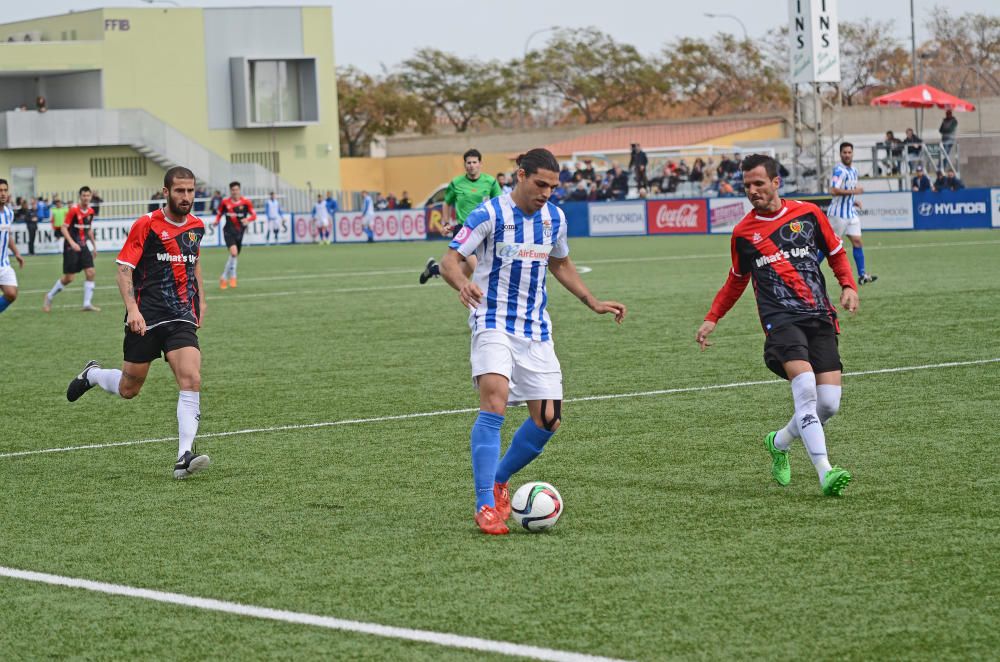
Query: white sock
(786,435)
(88,292)
(188,415)
(107,378)
(56,289)
(810,427)
(827,401)
(225,270)
(233,271)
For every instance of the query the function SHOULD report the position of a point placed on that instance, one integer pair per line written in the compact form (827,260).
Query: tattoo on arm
(125,287)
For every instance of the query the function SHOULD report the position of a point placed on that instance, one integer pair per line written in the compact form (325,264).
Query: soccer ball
(536,506)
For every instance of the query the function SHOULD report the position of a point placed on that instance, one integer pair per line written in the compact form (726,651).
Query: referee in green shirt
(465,193)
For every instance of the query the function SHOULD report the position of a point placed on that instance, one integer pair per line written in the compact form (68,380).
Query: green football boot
(835,480)
(780,469)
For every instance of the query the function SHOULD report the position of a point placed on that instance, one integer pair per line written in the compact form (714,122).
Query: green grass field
(675,544)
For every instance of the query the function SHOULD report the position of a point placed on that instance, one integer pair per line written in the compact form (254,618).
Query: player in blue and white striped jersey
(843,209)
(517,238)
(8,279)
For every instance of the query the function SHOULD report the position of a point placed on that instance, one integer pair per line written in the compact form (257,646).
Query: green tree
(963,54)
(595,77)
(723,75)
(369,106)
(872,61)
(464,91)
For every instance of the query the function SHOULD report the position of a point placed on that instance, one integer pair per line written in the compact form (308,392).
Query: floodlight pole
(524,60)
(746,35)
(913,58)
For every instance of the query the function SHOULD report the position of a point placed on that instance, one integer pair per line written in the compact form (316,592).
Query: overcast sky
(372,33)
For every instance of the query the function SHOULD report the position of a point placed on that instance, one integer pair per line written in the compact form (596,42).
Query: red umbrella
(923,96)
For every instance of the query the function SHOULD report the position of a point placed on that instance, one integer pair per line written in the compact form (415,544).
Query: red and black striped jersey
(779,253)
(78,223)
(238,213)
(164,256)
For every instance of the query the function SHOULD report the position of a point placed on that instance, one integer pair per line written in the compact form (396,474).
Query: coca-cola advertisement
(677,216)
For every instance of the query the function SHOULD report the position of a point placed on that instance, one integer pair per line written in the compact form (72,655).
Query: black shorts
(158,341)
(812,340)
(233,237)
(73,262)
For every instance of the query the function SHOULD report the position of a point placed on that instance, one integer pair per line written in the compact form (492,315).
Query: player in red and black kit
(77,256)
(239,213)
(159,277)
(776,246)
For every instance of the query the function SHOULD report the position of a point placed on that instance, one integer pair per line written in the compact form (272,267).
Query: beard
(176,211)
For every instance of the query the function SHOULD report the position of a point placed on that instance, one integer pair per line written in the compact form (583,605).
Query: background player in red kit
(159,277)
(239,213)
(77,230)
(776,245)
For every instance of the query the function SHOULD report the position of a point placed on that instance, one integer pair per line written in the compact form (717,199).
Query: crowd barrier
(969,208)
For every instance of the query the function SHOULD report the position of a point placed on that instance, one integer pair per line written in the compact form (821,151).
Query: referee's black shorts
(812,340)
(75,262)
(233,237)
(158,341)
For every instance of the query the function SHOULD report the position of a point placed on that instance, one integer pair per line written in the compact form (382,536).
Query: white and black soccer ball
(536,506)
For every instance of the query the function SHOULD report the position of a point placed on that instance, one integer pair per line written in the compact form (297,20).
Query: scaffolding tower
(816,133)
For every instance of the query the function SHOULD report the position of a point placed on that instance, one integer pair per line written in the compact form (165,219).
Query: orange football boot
(232,283)
(222,284)
(501,494)
(489,522)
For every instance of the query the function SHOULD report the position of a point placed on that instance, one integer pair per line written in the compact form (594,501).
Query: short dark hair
(472,152)
(4,182)
(756,160)
(177,172)
(232,184)
(537,159)
(845,144)
(83,189)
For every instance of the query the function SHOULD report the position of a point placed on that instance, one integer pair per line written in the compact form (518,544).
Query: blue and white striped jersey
(842,206)
(6,226)
(513,252)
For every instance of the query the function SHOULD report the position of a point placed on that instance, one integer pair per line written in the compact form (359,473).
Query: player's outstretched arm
(565,272)
(451,270)
(133,318)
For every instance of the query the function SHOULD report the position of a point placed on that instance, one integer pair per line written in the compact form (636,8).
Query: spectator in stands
(697,173)
(42,210)
(920,181)
(25,214)
(502,182)
(154,201)
(603,192)
(559,193)
(391,200)
(913,145)
(41,106)
(581,192)
(619,182)
(710,185)
(95,202)
(404,201)
(213,205)
(683,171)
(637,163)
(725,188)
(587,172)
(940,182)
(331,205)
(565,175)
(381,204)
(952,182)
(200,195)
(948,129)
(893,150)
(643,193)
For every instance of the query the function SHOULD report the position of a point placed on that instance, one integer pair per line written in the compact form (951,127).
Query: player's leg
(185,361)
(71,267)
(824,356)
(854,236)
(234,253)
(8,287)
(492,365)
(88,285)
(125,383)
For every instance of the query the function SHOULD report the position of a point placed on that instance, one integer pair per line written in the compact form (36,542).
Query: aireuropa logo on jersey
(951,208)
(524,251)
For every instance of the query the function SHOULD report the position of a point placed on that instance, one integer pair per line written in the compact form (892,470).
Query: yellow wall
(767,132)
(67,169)
(418,175)
(89,25)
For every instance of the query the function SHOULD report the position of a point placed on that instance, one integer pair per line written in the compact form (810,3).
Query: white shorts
(323,222)
(274,224)
(8,277)
(530,366)
(849,226)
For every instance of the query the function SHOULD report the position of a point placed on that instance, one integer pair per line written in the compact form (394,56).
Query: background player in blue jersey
(8,279)
(517,238)
(843,210)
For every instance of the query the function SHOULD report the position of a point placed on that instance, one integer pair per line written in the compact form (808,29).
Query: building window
(118,166)
(269,160)
(274,92)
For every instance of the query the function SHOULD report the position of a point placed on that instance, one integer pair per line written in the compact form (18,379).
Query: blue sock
(3,304)
(859,260)
(485,445)
(529,440)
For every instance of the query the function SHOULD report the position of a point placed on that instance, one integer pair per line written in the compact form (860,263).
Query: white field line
(652,258)
(447,412)
(328,622)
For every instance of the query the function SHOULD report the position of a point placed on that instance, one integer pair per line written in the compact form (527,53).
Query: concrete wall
(78,90)
(879,119)
(418,175)
(980,161)
(67,169)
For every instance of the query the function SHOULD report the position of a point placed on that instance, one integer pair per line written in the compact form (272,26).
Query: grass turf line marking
(299,618)
(653,258)
(447,412)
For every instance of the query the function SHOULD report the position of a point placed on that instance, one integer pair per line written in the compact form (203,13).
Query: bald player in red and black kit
(159,277)
(776,246)
(239,213)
